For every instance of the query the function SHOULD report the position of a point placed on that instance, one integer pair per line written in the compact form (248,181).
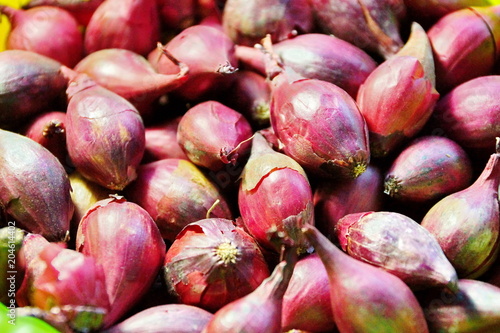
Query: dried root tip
(358,169)
(392,185)
(53,128)
(227,253)
(226,68)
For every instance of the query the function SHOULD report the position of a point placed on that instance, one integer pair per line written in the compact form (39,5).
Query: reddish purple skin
(177,15)
(161,142)
(46,30)
(428,168)
(470,113)
(306,303)
(123,238)
(81,10)
(209,132)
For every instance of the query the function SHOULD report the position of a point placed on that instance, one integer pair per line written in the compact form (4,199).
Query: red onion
(42,86)
(34,187)
(82,10)
(431,10)
(46,30)
(334,200)
(260,311)
(213,135)
(209,55)
(212,263)
(161,141)
(175,193)
(275,197)
(177,15)
(127,24)
(246,23)
(179,318)
(306,303)
(123,238)
(104,133)
(465,223)
(366,298)
(131,76)
(428,168)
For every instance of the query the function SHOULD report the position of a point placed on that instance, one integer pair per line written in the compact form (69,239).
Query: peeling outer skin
(343,231)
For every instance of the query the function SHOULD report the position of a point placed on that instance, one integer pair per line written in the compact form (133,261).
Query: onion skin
(366,298)
(210,134)
(179,318)
(396,101)
(207,52)
(175,193)
(123,238)
(368,24)
(35,190)
(131,24)
(177,15)
(161,141)
(464,44)
(82,10)
(306,303)
(470,113)
(104,134)
(42,85)
(428,168)
(474,308)
(246,23)
(465,223)
(212,263)
(320,126)
(275,197)
(399,245)
(334,200)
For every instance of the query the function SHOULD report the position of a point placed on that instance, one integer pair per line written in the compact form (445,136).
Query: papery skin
(306,303)
(46,30)
(35,190)
(335,199)
(127,24)
(466,223)
(464,44)
(181,318)
(470,113)
(210,134)
(177,15)
(201,277)
(122,237)
(320,126)
(104,134)
(399,245)
(41,85)
(161,141)
(82,10)
(366,298)
(347,20)
(175,193)
(246,23)
(207,52)
(396,101)
(274,196)
(428,168)
(474,308)
(433,10)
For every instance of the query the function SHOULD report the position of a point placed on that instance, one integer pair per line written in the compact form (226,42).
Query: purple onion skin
(320,126)
(465,223)
(82,10)
(161,141)
(126,24)
(46,30)
(347,20)
(208,53)
(246,23)
(212,263)
(398,245)
(35,189)
(464,44)
(175,193)
(470,113)
(474,308)
(428,168)
(104,134)
(431,10)
(327,58)
(366,298)
(210,134)
(306,303)
(122,237)
(177,15)
(179,318)
(41,86)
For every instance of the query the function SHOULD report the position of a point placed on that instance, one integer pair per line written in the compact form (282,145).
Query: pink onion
(82,10)
(161,141)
